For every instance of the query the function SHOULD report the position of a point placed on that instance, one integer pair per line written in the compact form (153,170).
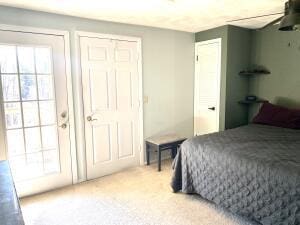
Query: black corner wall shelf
(245,102)
(254,72)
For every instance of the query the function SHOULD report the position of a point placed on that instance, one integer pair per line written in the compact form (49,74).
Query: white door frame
(81,120)
(221,120)
(65,35)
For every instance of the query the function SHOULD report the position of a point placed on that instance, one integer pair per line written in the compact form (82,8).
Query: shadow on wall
(287,102)
(259,67)
(180,128)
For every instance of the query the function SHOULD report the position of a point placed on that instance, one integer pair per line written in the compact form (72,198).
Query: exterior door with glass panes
(34,108)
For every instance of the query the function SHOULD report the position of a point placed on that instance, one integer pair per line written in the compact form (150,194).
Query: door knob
(212,108)
(90,118)
(63,126)
(64,114)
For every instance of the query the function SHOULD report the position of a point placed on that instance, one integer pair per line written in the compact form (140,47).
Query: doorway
(112,97)
(36,110)
(207,87)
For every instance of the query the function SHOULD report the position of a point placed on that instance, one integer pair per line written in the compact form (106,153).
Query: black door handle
(212,108)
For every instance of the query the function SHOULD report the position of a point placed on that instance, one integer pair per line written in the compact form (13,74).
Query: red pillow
(278,116)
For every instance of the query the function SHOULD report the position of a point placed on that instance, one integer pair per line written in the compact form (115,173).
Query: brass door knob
(63,126)
(90,118)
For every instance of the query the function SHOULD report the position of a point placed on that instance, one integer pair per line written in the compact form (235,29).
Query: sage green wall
(236,47)
(271,50)
(237,87)
(168,67)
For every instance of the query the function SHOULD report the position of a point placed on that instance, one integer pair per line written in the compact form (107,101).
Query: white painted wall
(168,68)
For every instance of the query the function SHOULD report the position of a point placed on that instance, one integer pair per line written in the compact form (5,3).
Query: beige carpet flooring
(138,196)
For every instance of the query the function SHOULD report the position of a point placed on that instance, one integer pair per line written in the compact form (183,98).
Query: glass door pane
(28,97)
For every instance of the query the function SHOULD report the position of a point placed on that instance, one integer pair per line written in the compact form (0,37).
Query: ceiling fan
(290,21)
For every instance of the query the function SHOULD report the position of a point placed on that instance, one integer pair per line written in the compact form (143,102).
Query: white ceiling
(184,15)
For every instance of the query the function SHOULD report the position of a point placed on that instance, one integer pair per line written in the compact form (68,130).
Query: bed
(253,171)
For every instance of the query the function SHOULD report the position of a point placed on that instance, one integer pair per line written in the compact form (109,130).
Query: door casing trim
(81,121)
(66,37)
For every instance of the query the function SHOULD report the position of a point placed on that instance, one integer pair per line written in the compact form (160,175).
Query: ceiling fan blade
(271,23)
(254,17)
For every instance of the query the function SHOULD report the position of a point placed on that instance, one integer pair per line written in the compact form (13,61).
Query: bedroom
(165,43)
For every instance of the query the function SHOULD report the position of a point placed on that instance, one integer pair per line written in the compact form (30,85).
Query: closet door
(207,87)
(111,104)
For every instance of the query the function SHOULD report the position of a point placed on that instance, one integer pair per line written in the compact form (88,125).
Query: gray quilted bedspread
(253,171)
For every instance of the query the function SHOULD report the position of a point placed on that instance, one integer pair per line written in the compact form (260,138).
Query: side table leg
(148,154)
(159,159)
(174,152)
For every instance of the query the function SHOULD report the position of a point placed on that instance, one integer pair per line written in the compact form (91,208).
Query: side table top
(165,139)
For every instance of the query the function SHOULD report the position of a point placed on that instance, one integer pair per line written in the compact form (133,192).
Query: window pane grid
(54,124)
(19,84)
(30,74)
(35,86)
(30,153)
(45,160)
(39,111)
(41,100)
(10,88)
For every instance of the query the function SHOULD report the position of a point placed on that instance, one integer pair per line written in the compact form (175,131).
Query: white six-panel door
(35,110)
(111,104)
(207,87)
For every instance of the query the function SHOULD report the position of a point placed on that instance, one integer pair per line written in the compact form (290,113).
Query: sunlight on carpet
(138,196)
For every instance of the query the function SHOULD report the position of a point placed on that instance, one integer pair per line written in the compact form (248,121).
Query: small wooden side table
(162,143)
